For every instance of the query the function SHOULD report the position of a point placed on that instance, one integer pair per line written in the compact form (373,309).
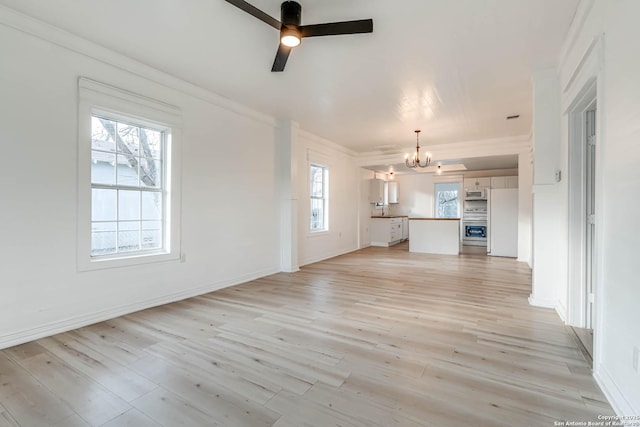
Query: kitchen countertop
(389,216)
(434,219)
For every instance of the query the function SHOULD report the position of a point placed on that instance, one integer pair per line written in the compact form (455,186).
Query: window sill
(130,260)
(317,233)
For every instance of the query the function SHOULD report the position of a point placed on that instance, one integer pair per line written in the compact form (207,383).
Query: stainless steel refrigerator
(502,218)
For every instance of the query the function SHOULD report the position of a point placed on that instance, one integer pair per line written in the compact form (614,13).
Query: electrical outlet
(636,358)
(183,257)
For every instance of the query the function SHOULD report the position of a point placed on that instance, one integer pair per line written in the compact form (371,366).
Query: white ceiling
(470,164)
(454,68)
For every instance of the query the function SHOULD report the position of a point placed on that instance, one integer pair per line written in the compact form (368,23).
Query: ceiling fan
(291,32)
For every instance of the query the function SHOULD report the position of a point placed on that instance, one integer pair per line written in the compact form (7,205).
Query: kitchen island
(389,230)
(434,235)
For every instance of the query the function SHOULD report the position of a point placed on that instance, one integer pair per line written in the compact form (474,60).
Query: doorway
(582,219)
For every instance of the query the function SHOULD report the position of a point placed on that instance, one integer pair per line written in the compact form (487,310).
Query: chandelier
(415,159)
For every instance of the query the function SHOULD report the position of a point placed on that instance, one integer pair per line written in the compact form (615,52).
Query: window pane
(151,235)
(317,214)
(151,205)
(102,134)
(447,200)
(150,173)
(130,139)
(128,205)
(150,143)
(316,181)
(103,205)
(127,170)
(126,220)
(103,238)
(103,169)
(128,236)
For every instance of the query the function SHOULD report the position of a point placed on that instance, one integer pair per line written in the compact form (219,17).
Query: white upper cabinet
(504,182)
(473,183)
(498,182)
(376,191)
(393,191)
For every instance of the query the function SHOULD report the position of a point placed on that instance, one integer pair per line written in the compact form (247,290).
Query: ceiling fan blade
(281,58)
(337,28)
(254,11)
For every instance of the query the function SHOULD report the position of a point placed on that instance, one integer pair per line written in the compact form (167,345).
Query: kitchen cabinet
(504,182)
(405,228)
(386,231)
(475,183)
(376,191)
(392,191)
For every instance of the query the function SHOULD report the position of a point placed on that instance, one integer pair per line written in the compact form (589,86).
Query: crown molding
(455,150)
(325,143)
(577,23)
(59,37)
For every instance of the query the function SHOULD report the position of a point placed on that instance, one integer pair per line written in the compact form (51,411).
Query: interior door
(590,213)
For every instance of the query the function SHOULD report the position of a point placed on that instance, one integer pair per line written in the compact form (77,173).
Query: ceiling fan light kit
(291,32)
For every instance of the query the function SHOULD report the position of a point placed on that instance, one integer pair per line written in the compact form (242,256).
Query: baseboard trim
(612,392)
(540,302)
(313,260)
(31,334)
(562,311)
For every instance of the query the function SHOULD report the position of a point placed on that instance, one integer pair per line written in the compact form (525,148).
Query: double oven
(474,222)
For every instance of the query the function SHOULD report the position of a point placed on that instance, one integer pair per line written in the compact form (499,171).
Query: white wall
(223,243)
(525,208)
(365,208)
(415,195)
(549,202)
(603,43)
(344,199)
(233,194)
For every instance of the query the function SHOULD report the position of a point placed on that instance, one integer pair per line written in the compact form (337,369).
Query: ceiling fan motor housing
(291,13)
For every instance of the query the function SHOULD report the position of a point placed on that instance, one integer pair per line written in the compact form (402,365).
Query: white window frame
(98,99)
(324,198)
(435,198)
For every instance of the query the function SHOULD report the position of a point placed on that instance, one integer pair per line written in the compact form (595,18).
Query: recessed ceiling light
(513,117)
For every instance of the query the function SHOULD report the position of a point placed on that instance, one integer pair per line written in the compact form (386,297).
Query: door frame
(577,300)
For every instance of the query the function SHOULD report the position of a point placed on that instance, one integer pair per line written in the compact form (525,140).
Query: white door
(590,214)
(504,222)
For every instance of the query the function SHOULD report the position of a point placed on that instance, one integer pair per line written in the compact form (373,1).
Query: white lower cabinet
(405,228)
(386,231)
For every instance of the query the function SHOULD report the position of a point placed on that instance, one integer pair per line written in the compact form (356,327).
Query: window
(447,200)
(127,187)
(128,178)
(319,179)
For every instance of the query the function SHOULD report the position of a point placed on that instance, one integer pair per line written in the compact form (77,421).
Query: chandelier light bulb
(415,160)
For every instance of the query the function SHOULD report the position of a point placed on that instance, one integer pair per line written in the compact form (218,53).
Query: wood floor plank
(6,420)
(131,418)
(87,398)
(26,399)
(377,337)
(223,405)
(73,421)
(112,375)
(168,409)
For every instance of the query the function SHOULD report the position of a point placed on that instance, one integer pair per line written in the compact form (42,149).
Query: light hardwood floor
(379,337)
